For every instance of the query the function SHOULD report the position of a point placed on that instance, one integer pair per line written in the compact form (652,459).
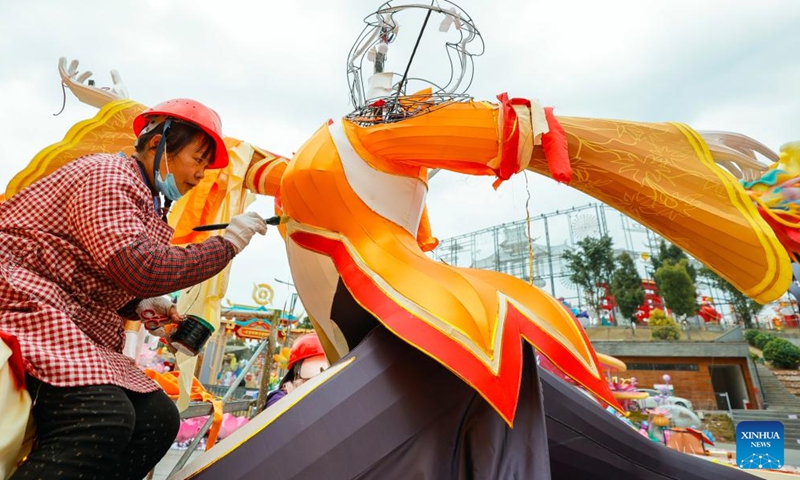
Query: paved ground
(164,467)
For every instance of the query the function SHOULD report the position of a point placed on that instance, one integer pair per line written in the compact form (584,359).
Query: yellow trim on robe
(109,131)
(742,202)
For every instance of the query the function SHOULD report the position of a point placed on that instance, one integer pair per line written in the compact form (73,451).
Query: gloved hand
(242,228)
(90,95)
(156,313)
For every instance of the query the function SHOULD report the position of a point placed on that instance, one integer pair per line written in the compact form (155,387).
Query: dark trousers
(97,432)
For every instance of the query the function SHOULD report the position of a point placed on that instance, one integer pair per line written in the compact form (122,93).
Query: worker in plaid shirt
(80,250)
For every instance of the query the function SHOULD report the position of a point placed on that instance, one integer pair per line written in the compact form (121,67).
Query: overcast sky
(276,70)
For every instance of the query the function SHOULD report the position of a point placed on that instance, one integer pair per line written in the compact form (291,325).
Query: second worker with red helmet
(306,360)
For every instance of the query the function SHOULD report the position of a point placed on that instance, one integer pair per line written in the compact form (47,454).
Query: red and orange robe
(355,196)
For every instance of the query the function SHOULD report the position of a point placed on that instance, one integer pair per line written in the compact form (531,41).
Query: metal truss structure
(507,247)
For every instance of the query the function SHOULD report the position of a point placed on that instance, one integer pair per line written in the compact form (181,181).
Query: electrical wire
(528,226)
(64,99)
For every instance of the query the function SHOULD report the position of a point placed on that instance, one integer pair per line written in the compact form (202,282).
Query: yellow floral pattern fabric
(663,176)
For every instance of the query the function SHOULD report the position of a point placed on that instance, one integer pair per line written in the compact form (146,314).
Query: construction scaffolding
(507,248)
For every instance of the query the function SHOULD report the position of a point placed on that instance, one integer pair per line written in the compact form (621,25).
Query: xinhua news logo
(759,444)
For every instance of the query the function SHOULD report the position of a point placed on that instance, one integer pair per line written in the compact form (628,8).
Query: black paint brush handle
(276,220)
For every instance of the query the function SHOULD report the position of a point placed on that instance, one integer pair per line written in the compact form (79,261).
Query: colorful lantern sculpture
(405,327)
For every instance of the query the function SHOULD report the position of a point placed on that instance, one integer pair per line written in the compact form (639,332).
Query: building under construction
(540,243)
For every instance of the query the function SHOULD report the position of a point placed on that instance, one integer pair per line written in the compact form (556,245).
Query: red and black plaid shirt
(77,246)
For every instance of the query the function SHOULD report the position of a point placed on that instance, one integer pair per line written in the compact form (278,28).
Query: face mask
(168,187)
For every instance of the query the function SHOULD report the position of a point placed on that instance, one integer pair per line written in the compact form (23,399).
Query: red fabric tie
(554,144)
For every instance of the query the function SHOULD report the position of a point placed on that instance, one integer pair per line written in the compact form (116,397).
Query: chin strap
(157,206)
(160,148)
(162,145)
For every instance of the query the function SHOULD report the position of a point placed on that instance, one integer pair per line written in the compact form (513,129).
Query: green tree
(750,336)
(744,307)
(762,339)
(591,265)
(305,323)
(662,327)
(667,251)
(782,354)
(677,287)
(626,285)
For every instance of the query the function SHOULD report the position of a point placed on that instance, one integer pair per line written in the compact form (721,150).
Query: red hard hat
(191,111)
(304,347)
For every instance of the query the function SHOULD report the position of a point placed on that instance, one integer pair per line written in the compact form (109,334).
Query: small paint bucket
(191,335)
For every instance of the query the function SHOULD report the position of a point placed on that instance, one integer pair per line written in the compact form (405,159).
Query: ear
(153,142)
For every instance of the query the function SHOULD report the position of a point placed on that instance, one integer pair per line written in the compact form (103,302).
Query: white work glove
(242,228)
(156,313)
(90,95)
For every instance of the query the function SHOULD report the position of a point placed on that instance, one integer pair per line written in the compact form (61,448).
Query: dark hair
(292,374)
(179,135)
